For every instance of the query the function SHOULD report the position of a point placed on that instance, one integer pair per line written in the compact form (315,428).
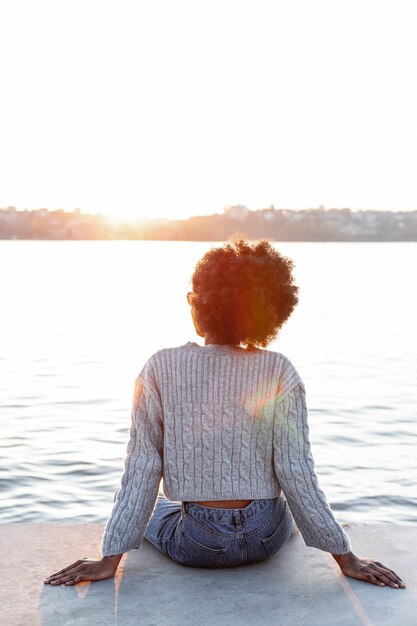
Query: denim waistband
(225,515)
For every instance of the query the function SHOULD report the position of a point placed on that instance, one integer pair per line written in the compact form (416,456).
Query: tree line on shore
(276,224)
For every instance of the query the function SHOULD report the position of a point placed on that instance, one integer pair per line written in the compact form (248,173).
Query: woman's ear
(196,326)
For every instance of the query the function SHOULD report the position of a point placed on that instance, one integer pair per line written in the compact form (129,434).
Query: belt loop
(237,519)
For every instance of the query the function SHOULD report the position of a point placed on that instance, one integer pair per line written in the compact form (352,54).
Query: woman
(225,426)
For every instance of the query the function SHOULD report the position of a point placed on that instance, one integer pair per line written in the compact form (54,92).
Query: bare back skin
(226,504)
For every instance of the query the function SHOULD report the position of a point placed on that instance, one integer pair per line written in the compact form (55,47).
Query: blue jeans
(200,536)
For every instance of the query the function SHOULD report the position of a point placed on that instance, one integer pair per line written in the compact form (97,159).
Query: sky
(172,108)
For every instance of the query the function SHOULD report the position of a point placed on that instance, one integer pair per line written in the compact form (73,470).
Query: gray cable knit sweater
(218,422)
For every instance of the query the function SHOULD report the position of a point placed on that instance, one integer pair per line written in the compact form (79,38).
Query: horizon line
(131,217)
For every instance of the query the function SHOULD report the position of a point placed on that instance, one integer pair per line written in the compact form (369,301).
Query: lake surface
(79,319)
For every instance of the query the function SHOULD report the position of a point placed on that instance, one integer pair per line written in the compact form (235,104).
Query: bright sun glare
(167,109)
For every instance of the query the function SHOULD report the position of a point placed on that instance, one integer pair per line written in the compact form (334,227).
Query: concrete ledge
(299,586)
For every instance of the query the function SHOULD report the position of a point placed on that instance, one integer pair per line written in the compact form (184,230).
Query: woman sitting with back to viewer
(225,426)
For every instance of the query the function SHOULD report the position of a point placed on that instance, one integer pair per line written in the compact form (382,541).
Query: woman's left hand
(369,570)
(86,569)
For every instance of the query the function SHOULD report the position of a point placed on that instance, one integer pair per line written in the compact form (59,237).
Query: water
(79,319)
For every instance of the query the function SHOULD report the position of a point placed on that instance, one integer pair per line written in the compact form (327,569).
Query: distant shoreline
(284,225)
(214,240)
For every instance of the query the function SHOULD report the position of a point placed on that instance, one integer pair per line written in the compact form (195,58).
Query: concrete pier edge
(298,586)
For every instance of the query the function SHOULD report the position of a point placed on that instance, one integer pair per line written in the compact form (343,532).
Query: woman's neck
(211,339)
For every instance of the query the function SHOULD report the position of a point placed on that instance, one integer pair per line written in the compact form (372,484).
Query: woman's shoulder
(164,365)
(287,374)
(278,362)
(169,353)
(161,357)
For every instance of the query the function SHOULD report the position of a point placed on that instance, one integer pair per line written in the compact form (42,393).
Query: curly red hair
(243,292)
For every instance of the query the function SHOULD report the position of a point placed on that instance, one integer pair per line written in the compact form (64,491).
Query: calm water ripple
(79,319)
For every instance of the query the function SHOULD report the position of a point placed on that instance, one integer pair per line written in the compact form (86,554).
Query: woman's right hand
(367,569)
(85,569)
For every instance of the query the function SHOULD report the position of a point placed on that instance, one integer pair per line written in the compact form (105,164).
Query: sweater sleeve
(294,468)
(136,496)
